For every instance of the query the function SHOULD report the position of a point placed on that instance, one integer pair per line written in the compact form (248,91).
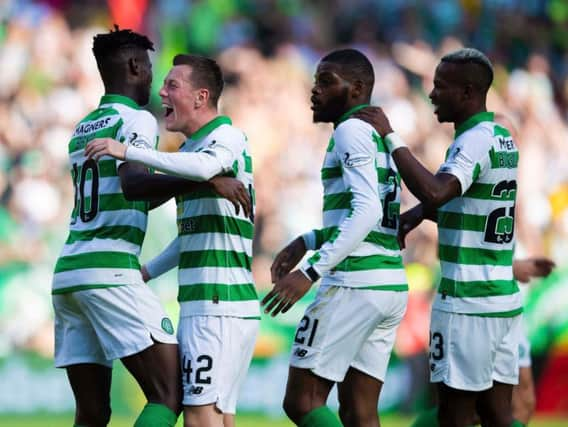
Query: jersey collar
(484,116)
(349,113)
(209,127)
(119,99)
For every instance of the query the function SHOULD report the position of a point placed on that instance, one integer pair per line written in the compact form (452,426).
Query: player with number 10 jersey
(102,249)
(106,230)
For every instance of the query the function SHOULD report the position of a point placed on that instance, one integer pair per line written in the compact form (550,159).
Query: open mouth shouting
(168,109)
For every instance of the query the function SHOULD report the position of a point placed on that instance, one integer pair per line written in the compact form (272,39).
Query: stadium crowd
(49,81)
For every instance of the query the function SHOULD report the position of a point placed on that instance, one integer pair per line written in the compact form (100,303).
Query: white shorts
(470,352)
(215,354)
(524,348)
(100,325)
(348,327)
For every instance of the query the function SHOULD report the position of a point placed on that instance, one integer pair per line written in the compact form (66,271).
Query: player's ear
(202,98)
(468,91)
(133,66)
(357,88)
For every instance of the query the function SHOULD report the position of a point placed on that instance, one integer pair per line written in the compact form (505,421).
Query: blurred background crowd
(268,50)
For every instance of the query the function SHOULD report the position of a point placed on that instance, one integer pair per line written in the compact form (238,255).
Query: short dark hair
(478,70)
(354,66)
(205,73)
(112,48)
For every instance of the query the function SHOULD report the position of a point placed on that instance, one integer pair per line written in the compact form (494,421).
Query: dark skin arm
(525,269)
(411,219)
(138,184)
(432,190)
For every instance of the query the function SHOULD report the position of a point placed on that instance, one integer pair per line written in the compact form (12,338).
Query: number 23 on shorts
(436,346)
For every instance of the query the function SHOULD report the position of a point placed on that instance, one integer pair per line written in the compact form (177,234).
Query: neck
(469,113)
(201,119)
(123,90)
(355,103)
(350,109)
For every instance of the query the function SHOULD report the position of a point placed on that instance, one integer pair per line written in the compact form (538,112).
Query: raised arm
(200,166)
(432,190)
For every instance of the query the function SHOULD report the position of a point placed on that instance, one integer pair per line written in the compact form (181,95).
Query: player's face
(145,78)
(330,93)
(446,96)
(179,99)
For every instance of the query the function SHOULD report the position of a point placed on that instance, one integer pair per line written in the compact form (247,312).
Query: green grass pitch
(48,420)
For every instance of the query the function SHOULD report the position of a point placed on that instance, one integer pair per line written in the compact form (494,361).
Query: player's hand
(287,259)
(145,274)
(526,269)
(286,292)
(376,117)
(233,190)
(408,221)
(100,147)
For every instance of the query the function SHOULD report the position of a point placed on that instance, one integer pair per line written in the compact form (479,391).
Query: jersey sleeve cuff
(309,240)
(154,269)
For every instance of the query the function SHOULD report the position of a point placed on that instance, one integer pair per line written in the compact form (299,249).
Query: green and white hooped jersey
(215,276)
(476,230)
(106,230)
(357,247)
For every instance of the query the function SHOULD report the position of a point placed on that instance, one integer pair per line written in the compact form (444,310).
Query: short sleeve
(468,157)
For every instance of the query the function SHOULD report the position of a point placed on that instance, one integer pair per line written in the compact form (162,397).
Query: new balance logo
(300,352)
(195,389)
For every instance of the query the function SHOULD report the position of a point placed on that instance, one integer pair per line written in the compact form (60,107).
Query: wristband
(311,273)
(394,142)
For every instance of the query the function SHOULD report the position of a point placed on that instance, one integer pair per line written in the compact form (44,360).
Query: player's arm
(138,184)
(191,170)
(195,166)
(432,190)
(165,261)
(292,254)
(412,218)
(526,269)
(360,176)
(313,239)
(136,181)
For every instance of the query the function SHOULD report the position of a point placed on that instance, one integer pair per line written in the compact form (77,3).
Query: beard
(333,108)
